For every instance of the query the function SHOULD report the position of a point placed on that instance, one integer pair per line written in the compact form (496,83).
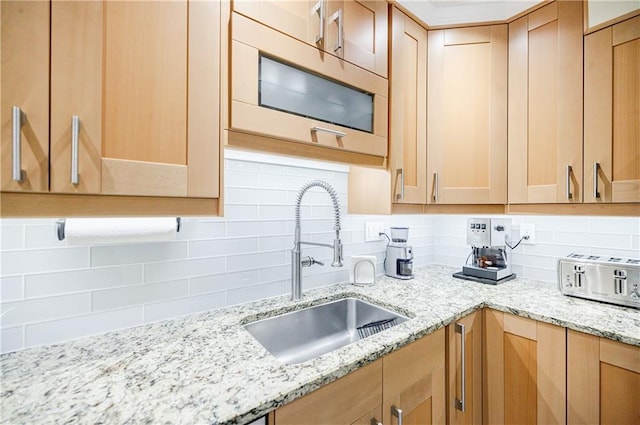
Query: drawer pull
(75,130)
(17,119)
(568,188)
(328,130)
(337,16)
(397,413)
(596,168)
(461,402)
(319,9)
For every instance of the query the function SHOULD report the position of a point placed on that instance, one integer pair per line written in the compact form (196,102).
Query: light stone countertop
(206,368)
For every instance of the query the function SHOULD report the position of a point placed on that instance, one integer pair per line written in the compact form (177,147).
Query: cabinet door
(25,85)
(354,398)
(300,19)
(408,110)
(467,116)
(464,408)
(545,105)
(414,382)
(603,378)
(525,370)
(612,113)
(356,30)
(122,69)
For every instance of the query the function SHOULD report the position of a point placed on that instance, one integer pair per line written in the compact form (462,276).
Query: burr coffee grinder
(399,256)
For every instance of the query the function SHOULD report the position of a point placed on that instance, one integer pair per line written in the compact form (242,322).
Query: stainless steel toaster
(605,278)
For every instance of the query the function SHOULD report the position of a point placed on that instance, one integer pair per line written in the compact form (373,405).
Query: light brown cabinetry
(252,41)
(467,116)
(353,399)
(25,95)
(414,382)
(408,383)
(545,105)
(524,370)
(612,113)
(354,30)
(603,380)
(134,100)
(408,110)
(464,367)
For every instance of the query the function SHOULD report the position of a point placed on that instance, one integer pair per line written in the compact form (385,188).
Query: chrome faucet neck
(296,259)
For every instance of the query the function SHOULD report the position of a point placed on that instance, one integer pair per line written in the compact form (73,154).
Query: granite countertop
(206,368)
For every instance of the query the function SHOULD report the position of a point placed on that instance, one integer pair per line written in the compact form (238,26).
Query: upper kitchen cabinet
(408,110)
(467,116)
(134,98)
(545,105)
(612,113)
(285,91)
(354,30)
(25,95)
(133,94)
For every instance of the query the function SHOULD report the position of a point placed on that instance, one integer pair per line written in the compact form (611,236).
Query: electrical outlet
(372,230)
(528,230)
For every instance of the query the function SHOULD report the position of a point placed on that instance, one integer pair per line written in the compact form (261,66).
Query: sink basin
(305,334)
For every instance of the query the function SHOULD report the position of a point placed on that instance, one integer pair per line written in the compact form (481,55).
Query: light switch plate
(528,229)
(372,230)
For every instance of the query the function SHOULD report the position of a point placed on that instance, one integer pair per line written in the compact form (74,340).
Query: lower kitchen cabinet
(603,380)
(354,399)
(414,382)
(464,370)
(524,370)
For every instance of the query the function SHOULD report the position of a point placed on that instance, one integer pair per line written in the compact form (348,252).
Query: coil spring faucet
(297,262)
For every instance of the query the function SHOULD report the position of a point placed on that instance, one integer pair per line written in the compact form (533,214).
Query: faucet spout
(296,258)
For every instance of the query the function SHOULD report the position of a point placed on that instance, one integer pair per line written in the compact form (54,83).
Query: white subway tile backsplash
(137,253)
(221,282)
(43,260)
(11,237)
(627,253)
(217,247)
(47,284)
(56,292)
(11,339)
(174,308)
(11,289)
(111,299)
(75,327)
(40,309)
(182,269)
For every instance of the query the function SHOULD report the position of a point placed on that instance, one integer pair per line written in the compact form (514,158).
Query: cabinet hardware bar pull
(328,130)
(596,168)
(400,171)
(568,189)
(75,130)
(435,187)
(16,126)
(460,403)
(319,9)
(337,16)
(397,413)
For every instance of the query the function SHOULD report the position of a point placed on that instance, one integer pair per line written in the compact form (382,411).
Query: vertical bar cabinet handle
(75,130)
(596,168)
(568,188)
(460,403)
(337,16)
(397,413)
(319,9)
(435,187)
(400,171)
(16,127)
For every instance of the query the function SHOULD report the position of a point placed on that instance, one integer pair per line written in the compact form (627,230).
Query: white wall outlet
(372,230)
(528,230)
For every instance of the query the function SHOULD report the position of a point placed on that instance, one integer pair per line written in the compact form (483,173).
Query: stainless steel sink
(302,335)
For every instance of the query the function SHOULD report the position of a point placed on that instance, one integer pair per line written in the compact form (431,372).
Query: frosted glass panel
(293,90)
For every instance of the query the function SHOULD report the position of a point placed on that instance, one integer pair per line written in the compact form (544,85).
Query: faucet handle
(310,261)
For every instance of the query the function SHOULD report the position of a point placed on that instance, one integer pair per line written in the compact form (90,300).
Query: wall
(50,292)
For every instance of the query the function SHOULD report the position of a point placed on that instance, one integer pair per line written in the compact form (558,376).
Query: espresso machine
(490,260)
(398,262)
